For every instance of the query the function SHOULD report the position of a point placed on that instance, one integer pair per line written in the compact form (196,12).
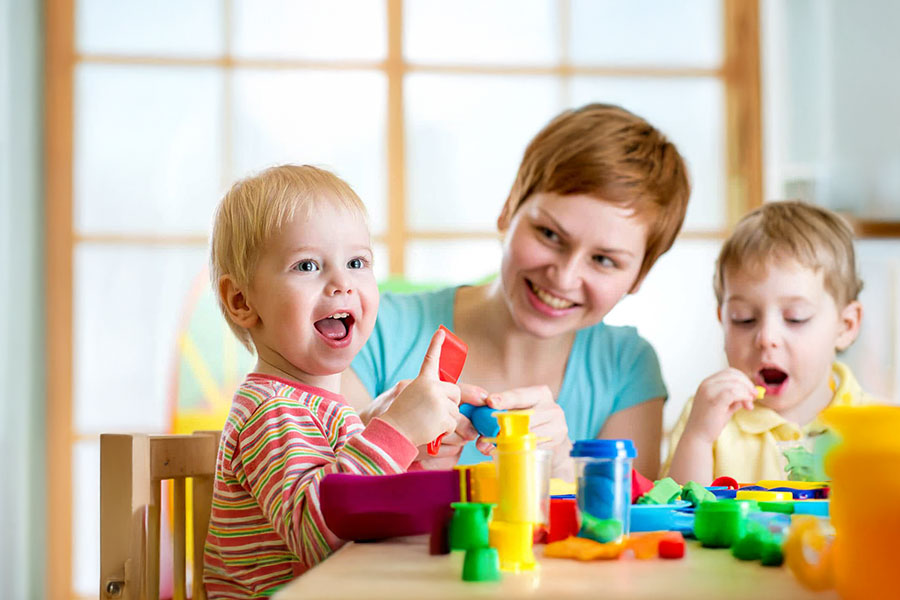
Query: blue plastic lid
(604,449)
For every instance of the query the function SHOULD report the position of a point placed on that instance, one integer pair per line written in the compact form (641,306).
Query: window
(423,106)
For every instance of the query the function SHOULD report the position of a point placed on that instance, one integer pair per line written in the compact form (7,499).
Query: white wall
(21,305)
(831,93)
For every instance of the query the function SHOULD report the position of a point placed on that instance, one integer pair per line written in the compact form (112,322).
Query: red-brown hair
(604,151)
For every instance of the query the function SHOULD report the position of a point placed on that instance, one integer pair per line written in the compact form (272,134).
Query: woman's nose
(566,272)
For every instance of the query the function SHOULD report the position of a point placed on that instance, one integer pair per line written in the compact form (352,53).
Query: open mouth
(335,327)
(772,379)
(549,299)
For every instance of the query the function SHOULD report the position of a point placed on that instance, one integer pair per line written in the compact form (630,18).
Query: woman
(600,195)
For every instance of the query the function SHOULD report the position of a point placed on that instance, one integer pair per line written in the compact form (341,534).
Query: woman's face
(567,260)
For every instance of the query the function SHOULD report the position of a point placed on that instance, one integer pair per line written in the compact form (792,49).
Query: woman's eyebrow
(556,223)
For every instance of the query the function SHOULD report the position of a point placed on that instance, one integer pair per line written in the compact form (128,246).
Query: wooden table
(402,568)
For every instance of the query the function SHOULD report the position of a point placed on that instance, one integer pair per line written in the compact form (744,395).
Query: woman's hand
(547,421)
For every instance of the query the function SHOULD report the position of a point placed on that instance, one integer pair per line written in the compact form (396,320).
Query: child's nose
(768,334)
(340,283)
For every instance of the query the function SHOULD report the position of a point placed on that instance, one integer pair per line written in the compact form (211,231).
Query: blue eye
(356,263)
(306,266)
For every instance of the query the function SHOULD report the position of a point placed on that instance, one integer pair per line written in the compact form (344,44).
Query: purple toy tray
(373,507)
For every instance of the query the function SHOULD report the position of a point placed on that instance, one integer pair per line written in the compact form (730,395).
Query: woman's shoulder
(603,334)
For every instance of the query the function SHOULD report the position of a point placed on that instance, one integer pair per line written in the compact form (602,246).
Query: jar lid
(604,449)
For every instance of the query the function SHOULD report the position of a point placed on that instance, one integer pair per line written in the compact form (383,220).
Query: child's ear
(850,317)
(235,301)
(719,313)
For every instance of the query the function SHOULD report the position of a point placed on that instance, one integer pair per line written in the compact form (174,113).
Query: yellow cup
(865,484)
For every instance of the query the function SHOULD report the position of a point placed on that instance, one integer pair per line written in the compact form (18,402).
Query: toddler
(787,287)
(291,262)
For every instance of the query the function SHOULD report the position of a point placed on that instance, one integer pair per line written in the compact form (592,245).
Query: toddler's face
(568,260)
(782,329)
(315,294)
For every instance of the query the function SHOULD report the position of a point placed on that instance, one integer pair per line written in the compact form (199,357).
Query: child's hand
(719,396)
(427,407)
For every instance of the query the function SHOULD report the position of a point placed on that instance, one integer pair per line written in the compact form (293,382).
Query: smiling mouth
(548,298)
(336,327)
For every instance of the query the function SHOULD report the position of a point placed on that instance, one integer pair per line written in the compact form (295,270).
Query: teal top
(609,368)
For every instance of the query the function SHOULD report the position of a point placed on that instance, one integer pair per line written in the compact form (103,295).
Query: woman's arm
(641,423)
(355,393)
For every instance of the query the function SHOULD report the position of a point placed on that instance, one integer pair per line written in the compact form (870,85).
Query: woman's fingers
(520,398)
(472,394)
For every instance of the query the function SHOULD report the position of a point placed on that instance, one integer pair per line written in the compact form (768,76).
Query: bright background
(174,99)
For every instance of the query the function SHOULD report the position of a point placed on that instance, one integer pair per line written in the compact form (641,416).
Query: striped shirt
(281,438)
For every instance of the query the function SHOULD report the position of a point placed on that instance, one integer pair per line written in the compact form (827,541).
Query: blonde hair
(815,237)
(257,207)
(604,151)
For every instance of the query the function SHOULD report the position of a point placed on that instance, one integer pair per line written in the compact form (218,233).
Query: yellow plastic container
(865,472)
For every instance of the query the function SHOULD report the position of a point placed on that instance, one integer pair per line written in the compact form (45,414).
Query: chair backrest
(132,467)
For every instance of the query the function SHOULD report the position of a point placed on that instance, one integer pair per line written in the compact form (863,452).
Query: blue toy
(482,418)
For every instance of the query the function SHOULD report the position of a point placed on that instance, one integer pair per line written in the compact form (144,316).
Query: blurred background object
(109,173)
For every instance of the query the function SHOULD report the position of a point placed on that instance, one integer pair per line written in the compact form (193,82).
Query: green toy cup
(481,564)
(469,525)
(720,524)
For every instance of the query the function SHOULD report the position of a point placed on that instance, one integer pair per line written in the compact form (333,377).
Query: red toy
(724,481)
(672,546)
(563,519)
(453,357)
(640,485)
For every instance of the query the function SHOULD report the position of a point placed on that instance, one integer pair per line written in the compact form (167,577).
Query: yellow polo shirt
(747,449)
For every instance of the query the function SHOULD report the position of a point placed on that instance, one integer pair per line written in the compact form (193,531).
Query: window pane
(446,262)
(147,148)
(689,347)
(691,113)
(86,517)
(311,29)
(332,120)
(158,28)
(646,32)
(510,32)
(129,303)
(464,139)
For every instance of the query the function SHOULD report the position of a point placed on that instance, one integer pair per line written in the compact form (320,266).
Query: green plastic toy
(665,491)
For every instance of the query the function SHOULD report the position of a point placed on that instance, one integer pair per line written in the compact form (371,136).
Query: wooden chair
(132,468)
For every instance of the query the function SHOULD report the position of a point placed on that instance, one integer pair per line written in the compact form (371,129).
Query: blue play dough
(482,418)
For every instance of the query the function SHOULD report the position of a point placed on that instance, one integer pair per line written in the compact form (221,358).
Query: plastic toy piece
(665,491)
(720,524)
(453,357)
(640,485)
(469,525)
(481,564)
(439,541)
(563,519)
(662,517)
(819,508)
(671,546)
(483,419)
(765,496)
(583,549)
(785,508)
(750,545)
(728,482)
(512,530)
(374,507)
(771,554)
(695,493)
(600,530)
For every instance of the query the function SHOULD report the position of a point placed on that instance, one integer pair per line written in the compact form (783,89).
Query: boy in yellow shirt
(787,287)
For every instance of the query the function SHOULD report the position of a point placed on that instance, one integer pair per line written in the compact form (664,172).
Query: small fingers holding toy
(427,407)
(719,396)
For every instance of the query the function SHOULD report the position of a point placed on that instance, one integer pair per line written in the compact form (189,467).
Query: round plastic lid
(604,449)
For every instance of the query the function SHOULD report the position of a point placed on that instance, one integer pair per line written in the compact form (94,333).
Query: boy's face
(782,329)
(314,294)
(567,260)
